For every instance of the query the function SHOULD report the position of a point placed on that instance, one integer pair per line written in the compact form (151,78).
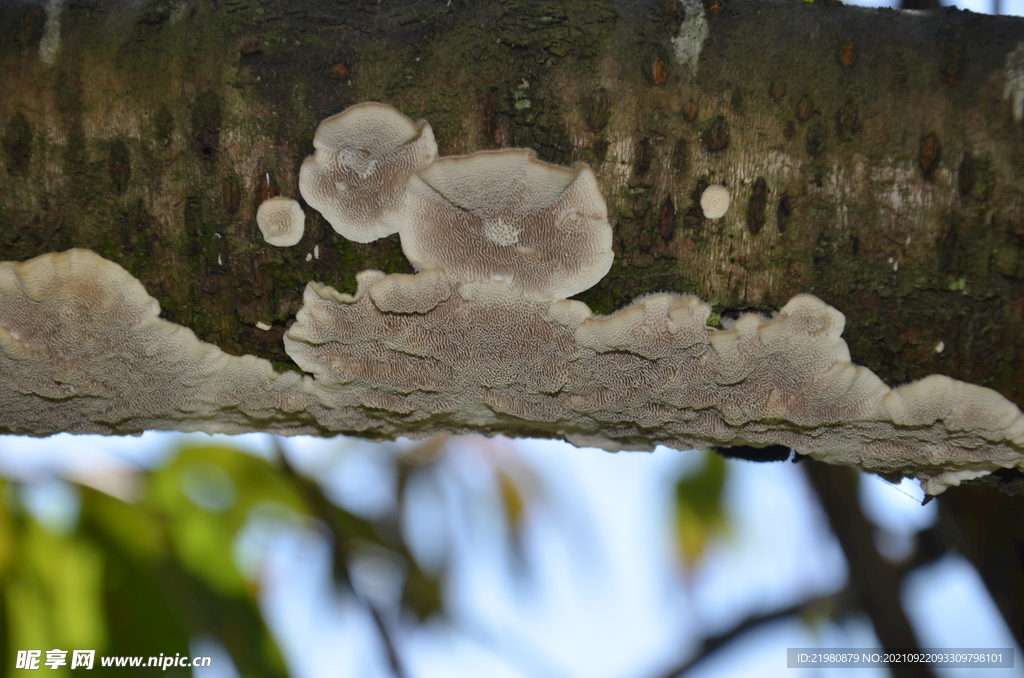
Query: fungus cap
(714,201)
(281,220)
(401,293)
(357,176)
(83,350)
(505,216)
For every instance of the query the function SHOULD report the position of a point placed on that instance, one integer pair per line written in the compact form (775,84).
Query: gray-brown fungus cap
(357,176)
(282,221)
(83,350)
(505,216)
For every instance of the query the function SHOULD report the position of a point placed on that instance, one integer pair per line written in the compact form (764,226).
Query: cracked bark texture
(875,158)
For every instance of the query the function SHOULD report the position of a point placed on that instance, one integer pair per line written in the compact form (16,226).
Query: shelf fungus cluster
(481,339)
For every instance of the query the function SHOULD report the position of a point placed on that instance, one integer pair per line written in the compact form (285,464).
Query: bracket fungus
(483,340)
(82,350)
(364,156)
(281,220)
(505,216)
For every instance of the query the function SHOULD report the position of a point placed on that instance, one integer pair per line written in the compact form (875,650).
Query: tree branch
(875,582)
(343,535)
(710,645)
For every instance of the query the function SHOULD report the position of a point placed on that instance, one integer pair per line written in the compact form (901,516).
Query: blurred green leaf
(423,593)
(134,529)
(7,542)
(155,574)
(145,578)
(698,508)
(139,614)
(206,495)
(53,592)
(512,501)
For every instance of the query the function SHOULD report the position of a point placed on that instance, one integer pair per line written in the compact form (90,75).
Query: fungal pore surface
(281,220)
(82,350)
(357,176)
(714,201)
(481,339)
(542,230)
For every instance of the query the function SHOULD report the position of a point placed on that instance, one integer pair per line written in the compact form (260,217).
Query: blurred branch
(711,644)
(931,545)
(385,635)
(875,581)
(344,529)
(988,529)
(871,575)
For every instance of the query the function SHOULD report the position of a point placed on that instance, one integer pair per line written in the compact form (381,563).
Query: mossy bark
(873,157)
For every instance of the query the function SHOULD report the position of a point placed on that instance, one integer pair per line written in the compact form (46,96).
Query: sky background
(602,592)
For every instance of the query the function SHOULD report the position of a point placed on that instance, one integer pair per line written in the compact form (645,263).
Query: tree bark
(873,155)
(875,583)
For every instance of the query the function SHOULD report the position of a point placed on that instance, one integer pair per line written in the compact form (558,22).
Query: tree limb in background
(345,530)
(710,645)
(876,582)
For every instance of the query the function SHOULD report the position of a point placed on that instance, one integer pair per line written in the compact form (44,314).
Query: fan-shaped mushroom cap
(83,350)
(714,201)
(364,157)
(507,216)
(281,220)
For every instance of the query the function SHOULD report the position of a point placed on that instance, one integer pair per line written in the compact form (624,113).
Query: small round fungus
(714,201)
(357,177)
(281,220)
(505,216)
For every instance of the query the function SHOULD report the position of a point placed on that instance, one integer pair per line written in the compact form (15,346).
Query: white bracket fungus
(540,228)
(82,350)
(714,201)
(455,349)
(357,177)
(281,220)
